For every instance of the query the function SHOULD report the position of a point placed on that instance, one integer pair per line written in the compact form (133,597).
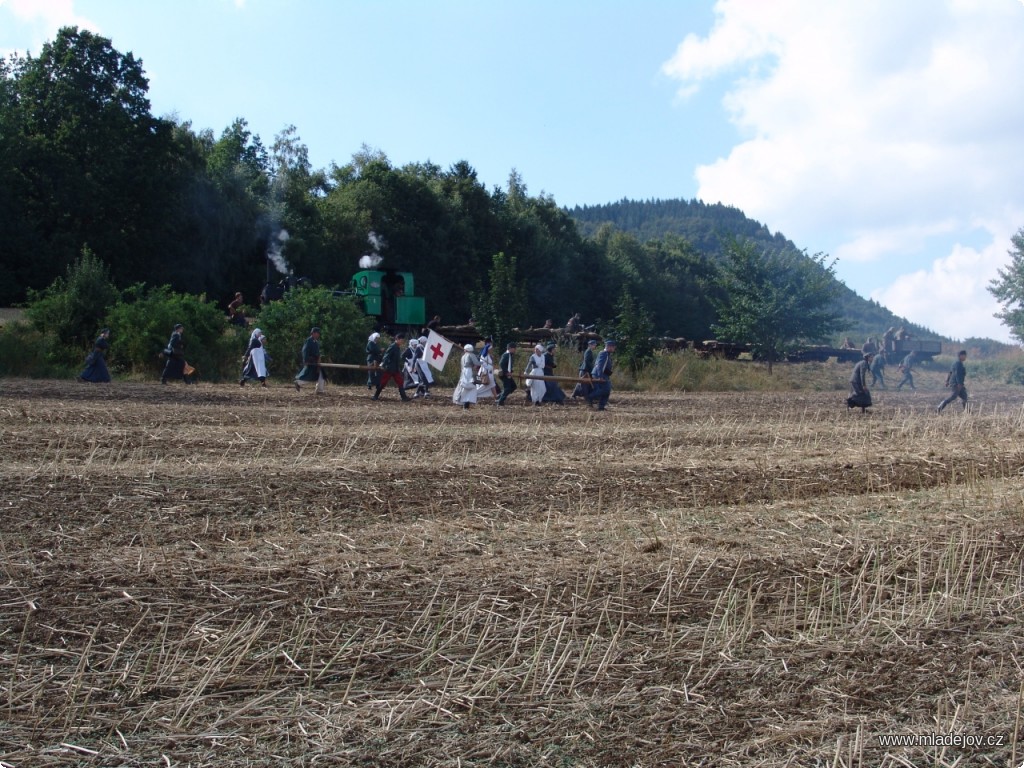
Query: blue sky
(885,134)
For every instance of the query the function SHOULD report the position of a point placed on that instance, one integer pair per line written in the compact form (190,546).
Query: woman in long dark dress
(95,361)
(552,392)
(175,354)
(373,358)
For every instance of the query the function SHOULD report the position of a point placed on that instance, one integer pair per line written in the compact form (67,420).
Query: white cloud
(952,295)
(43,18)
(51,13)
(868,128)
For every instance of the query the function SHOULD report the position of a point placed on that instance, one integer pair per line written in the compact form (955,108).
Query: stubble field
(216,576)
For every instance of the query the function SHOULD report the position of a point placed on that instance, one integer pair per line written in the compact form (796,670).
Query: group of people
(407,368)
(879,361)
(478,379)
(860,391)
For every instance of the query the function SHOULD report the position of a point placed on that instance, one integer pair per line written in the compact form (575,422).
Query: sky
(887,135)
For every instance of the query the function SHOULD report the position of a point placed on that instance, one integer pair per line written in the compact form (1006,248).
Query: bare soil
(212,575)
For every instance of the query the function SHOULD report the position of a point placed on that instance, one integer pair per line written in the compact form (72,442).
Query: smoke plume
(275,252)
(373,259)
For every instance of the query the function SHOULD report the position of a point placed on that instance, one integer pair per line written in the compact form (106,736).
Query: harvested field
(216,576)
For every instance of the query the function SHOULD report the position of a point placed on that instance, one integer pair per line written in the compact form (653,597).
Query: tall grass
(688,372)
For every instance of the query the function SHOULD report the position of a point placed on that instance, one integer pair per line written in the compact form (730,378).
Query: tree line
(85,165)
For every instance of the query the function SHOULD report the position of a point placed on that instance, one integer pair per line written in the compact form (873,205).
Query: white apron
(536,368)
(465,391)
(258,355)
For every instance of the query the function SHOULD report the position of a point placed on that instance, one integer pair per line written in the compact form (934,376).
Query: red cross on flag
(438,350)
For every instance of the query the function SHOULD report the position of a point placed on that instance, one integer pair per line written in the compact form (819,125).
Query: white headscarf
(255,335)
(374,336)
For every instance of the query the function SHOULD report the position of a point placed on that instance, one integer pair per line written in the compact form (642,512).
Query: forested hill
(702,224)
(707,227)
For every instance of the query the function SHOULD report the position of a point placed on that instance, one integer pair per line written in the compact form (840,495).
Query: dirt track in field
(223,576)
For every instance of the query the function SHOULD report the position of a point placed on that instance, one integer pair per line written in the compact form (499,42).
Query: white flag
(438,350)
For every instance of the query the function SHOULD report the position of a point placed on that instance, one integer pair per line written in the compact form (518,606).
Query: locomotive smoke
(275,252)
(372,259)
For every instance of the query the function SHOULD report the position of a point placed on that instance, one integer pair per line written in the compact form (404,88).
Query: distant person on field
(860,395)
(907,369)
(373,358)
(601,374)
(535,367)
(391,368)
(310,360)
(175,354)
(506,373)
(255,362)
(235,314)
(409,370)
(465,390)
(869,347)
(426,377)
(552,392)
(574,324)
(583,388)
(878,370)
(889,340)
(95,362)
(488,385)
(956,382)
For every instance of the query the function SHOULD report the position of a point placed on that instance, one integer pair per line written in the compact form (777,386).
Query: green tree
(19,235)
(631,329)
(73,306)
(1008,288)
(94,159)
(775,300)
(502,306)
(286,323)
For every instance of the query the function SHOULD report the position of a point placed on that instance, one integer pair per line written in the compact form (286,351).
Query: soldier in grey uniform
(907,368)
(955,381)
(860,395)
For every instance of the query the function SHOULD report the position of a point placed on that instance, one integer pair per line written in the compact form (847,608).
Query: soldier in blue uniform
(310,359)
(583,388)
(601,374)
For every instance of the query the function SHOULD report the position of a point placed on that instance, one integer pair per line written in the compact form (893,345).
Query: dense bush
(27,351)
(343,330)
(142,322)
(72,308)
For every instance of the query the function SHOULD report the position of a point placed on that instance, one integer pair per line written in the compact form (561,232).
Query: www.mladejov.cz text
(959,740)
